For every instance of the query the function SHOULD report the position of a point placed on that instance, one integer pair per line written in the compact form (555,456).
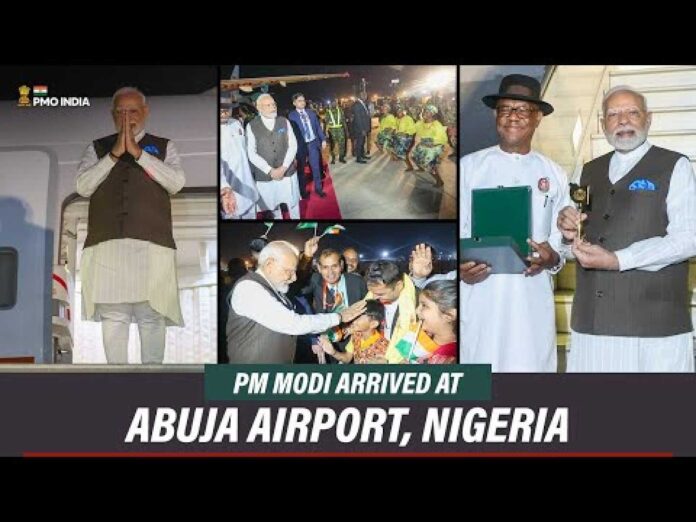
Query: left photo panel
(108,214)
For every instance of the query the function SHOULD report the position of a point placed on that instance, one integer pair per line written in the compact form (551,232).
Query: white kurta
(273,193)
(508,320)
(130,270)
(602,353)
(235,172)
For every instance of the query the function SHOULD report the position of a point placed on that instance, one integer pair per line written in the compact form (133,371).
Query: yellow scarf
(407,316)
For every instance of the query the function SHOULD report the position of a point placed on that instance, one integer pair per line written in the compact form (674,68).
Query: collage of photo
(535,218)
(338,206)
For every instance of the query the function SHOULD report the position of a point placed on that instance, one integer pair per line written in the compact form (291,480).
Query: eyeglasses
(633,113)
(523,112)
(289,272)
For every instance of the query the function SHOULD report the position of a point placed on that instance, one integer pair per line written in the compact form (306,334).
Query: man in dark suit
(310,142)
(333,290)
(361,126)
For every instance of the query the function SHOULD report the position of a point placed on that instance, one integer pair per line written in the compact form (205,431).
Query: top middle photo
(338,142)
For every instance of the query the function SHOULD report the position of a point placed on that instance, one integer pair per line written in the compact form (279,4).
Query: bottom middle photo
(338,293)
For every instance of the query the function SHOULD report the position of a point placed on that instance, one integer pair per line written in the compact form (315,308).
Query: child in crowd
(367,344)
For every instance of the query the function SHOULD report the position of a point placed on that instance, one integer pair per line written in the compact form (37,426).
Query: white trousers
(116,320)
(601,353)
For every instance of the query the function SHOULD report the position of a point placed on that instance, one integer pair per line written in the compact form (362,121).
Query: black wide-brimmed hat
(519,87)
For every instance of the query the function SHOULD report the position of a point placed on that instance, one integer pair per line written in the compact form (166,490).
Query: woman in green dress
(431,138)
(387,127)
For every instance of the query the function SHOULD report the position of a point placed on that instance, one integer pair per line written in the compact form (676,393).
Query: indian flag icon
(40,90)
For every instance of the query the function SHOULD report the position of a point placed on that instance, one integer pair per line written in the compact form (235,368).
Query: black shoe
(360,161)
(321,194)
(343,160)
(367,157)
(333,161)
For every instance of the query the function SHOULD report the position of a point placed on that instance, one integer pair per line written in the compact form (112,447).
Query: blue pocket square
(642,184)
(151,149)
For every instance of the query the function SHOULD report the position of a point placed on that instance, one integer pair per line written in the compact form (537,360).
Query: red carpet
(315,207)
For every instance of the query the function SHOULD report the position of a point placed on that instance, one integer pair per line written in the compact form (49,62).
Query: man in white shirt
(262,324)
(128,265)
(272,146)
(332,289)
(396,291)
(508,320)
(631,305)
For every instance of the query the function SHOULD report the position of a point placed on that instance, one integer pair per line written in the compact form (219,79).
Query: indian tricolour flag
(334,229)
(412,348)
(40,90)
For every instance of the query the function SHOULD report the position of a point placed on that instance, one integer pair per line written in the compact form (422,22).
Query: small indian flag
(307,224)
(335,229)
(40,90)
(411,348)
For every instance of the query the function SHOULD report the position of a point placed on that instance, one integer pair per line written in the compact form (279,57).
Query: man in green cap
(335,127)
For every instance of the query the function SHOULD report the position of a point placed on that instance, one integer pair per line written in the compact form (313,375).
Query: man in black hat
(508,319)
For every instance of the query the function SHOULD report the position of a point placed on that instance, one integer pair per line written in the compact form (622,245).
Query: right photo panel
(577,218)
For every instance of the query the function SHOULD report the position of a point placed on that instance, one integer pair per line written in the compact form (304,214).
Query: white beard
(627,144)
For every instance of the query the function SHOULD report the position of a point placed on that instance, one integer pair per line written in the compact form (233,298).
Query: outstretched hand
(353,311)
(422,261)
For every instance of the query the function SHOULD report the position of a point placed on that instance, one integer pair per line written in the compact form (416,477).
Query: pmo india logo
(41,98)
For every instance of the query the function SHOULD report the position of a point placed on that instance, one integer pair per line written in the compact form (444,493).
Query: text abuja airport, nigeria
(348,425)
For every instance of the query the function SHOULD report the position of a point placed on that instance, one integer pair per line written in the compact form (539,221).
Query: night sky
(102,81)
(370,239)
(378,79)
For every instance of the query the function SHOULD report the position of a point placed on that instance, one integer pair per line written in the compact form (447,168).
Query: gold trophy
(580,194)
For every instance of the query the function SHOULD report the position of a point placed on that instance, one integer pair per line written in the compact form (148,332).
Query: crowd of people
(321,307)
(265,156)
